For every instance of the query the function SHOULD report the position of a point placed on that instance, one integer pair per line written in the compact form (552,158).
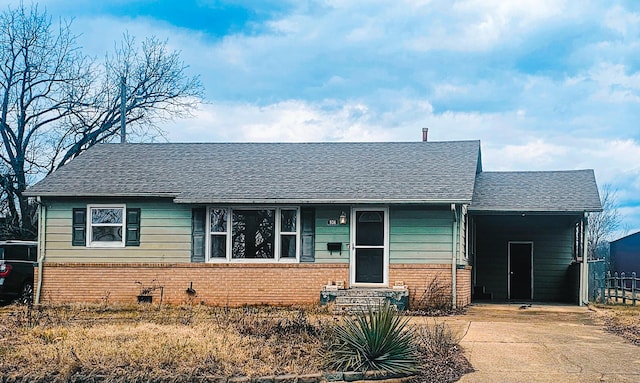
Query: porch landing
(353,300)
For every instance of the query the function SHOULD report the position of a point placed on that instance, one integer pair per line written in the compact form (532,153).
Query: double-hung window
(267,234)
(106,226)
(112,225)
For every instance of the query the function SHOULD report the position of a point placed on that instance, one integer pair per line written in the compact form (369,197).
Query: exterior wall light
(343,218)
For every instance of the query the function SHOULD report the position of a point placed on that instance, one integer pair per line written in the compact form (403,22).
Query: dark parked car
(16,270)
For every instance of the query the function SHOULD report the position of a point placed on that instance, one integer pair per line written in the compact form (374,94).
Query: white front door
(370,247)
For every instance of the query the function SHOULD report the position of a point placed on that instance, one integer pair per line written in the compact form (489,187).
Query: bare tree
(42,78)
(604,224)
(156,88)
(55,102)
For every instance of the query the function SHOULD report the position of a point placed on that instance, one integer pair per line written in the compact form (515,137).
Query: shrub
(434,299)
(282,323)
(374,340)
(437,339)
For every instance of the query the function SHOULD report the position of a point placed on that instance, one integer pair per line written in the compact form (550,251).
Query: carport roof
(541,191)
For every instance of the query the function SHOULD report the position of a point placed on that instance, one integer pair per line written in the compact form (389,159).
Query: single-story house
(250,223)
(625,254)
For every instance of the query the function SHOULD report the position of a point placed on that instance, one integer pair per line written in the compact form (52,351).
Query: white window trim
(103,244)
(226,234)
(385,246)
(229,235)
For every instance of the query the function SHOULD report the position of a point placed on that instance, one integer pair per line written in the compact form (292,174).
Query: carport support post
(584,269)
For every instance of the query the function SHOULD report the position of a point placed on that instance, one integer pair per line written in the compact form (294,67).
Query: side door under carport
(520,264)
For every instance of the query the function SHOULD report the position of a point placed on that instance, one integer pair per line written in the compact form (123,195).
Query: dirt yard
(620,320)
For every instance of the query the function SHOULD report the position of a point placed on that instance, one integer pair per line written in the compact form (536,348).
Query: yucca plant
(374,340)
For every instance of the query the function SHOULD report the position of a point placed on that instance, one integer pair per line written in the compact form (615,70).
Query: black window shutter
(79,234)
(198,219)
(133,227)
(308,218)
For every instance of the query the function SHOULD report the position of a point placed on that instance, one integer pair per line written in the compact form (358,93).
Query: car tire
(26,295)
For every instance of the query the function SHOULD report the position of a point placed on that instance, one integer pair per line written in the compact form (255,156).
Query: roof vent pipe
(425,132)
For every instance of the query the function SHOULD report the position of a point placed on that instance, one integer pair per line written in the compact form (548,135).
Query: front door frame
(509,273)
(353,247)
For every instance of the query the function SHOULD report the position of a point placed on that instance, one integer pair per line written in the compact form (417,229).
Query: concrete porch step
(345,300)
(356,300)
(353,308)
(366,292)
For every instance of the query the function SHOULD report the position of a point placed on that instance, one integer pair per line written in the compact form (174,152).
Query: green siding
(326,234)
(552,237)
(165,234)
(419,235)
(416,235)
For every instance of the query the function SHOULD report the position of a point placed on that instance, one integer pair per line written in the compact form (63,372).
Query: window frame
(210,233)
(90,225)
(278,234)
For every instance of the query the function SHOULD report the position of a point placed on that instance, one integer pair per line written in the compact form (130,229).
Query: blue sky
(544,84)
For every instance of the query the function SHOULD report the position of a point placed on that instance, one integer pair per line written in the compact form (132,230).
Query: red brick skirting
(230,284)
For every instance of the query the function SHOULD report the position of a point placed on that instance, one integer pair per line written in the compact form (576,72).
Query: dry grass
(62,341)
(621,320)
(148,343)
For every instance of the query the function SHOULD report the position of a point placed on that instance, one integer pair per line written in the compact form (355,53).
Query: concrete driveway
(543,343)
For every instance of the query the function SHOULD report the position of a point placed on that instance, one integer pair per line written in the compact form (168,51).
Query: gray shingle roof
(548,191)
(272,172)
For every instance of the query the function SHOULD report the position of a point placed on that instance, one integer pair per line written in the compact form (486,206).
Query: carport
(528,232)
(527,257)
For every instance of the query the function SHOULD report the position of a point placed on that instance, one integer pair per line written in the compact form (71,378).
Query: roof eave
(497,210)
(101,195)
(250,201)
(292,201)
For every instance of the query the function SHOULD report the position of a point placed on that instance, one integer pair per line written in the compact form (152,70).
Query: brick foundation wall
(463,282)
(221,284)
(216,284)
(418,278)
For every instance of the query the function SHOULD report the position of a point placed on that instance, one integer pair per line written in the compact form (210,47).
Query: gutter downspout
(454,287)
(42,225)
(584,268)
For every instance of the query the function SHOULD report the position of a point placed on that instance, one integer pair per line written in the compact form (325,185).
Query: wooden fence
(620,288)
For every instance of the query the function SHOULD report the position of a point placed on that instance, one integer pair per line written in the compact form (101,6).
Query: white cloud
(626,23)
(527,10)
(288,121)
(615,85)
(446,90)
(538,152)
(481,25)
(623,155)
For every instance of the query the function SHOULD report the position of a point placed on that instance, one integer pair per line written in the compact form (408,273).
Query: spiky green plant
(374,340)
